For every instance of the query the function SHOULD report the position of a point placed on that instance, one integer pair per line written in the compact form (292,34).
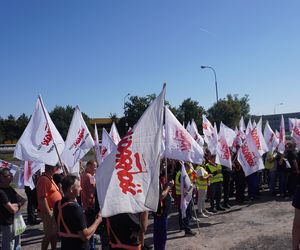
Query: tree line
(228,110)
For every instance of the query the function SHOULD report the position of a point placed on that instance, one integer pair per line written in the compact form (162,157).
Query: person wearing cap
(10,203)
(48,193)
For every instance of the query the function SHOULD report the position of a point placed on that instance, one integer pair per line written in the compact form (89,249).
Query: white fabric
(180,145)
(193,130)
(282,141)
(128,179)
(79,141)
(114,134)
(242,126)
(186,190)
(12,168)
(212,145)
(249,127)
(97,146)
(107,145)
(38,139)
(223,155)
(229,134)
(207,129)
(249,156)
(270,137)
(29,169)
(295,130)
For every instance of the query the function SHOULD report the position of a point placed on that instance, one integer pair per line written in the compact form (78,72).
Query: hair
(68,181)
(4,171)
(90,162)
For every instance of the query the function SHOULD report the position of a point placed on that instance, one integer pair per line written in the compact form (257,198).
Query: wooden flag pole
(60,161)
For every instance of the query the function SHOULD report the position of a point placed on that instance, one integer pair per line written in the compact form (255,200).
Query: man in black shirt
(70,217)
(10,203)
(296,224)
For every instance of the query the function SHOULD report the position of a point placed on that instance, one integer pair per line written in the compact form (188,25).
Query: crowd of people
(69,209)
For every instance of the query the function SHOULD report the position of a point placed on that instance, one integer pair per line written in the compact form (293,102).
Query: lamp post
(277,104)
(124,110)
(216,84)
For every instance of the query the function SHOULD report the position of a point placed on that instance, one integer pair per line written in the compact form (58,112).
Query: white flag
(223,155)
(29,169)
(39,138)
(249,127)
(12,168)
(188,127)
(270,137)
(238,140)
(212,145)
(180,145)
(79,141)
(208,130)
(186,190)
(229,134)
(263,145)
(97,146)
(282,141)
(107,145)
(295,130)
(249,156)
(128,179)
(195,134)
(242,126)
(114,134)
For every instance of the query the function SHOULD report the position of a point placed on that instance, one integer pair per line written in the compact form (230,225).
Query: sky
(93,53)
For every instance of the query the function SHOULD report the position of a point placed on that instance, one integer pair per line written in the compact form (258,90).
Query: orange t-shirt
(88,185)
(46,188)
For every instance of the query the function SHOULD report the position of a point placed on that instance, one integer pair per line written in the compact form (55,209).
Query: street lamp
(216,84)
(124,110)
(277,104)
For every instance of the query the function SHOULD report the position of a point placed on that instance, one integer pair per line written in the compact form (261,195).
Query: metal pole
(216,83)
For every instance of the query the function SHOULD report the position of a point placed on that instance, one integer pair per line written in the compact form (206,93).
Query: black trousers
(31,203)
(216,194)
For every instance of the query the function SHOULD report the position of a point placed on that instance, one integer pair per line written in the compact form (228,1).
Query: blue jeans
(9,240)
(160,232)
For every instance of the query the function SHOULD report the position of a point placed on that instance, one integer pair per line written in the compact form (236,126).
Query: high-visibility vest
(177,183)
(202,184)
(118,243)
(60,220)
(216,171)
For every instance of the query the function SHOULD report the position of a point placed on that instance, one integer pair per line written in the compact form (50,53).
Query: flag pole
(60,161)
(195,215)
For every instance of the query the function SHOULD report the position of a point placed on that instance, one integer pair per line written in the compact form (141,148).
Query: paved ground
(264,224)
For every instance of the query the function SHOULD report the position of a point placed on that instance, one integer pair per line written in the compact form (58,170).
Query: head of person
(6,177)
(51,170)
(91,167)
(71,186)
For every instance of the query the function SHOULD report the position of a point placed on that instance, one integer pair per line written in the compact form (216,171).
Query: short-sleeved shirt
(7,195)
(88,185)
(296,199)
(75,221)
(46,188)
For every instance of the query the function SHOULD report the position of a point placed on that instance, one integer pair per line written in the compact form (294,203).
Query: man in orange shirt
(88,185)
(48,193)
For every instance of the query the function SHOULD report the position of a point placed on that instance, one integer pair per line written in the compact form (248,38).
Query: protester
(271,170)
(215,184)
(88,185)
(10,204)
(282,173)
(239,180)
(161,215)
(226,172)
(202,183)
(70,219)
(31,194)
(290,155)
(296,223)
(48,193)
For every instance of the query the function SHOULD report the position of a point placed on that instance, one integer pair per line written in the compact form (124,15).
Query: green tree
(1,130)
(229,110)
(188,110)
(22,122)
(10,128)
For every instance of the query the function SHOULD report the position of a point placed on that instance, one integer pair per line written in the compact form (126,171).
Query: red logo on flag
(185,144)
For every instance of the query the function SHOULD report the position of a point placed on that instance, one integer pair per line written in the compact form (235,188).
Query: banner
(128,179)
(282,141)
(29,169)
(186,190)
(39,138)
(180,145)
(295,130)
(114,134)
(208,129)
(249,156)
(195,134)
(270,137)
(97,146)
(79,141)
(12,168)
(107,145)
(223,155)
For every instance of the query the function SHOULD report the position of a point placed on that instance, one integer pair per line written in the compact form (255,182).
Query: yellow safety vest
(177,183)
(216,171)
(201,184)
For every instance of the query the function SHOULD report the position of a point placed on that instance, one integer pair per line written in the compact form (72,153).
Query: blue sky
(92,53)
